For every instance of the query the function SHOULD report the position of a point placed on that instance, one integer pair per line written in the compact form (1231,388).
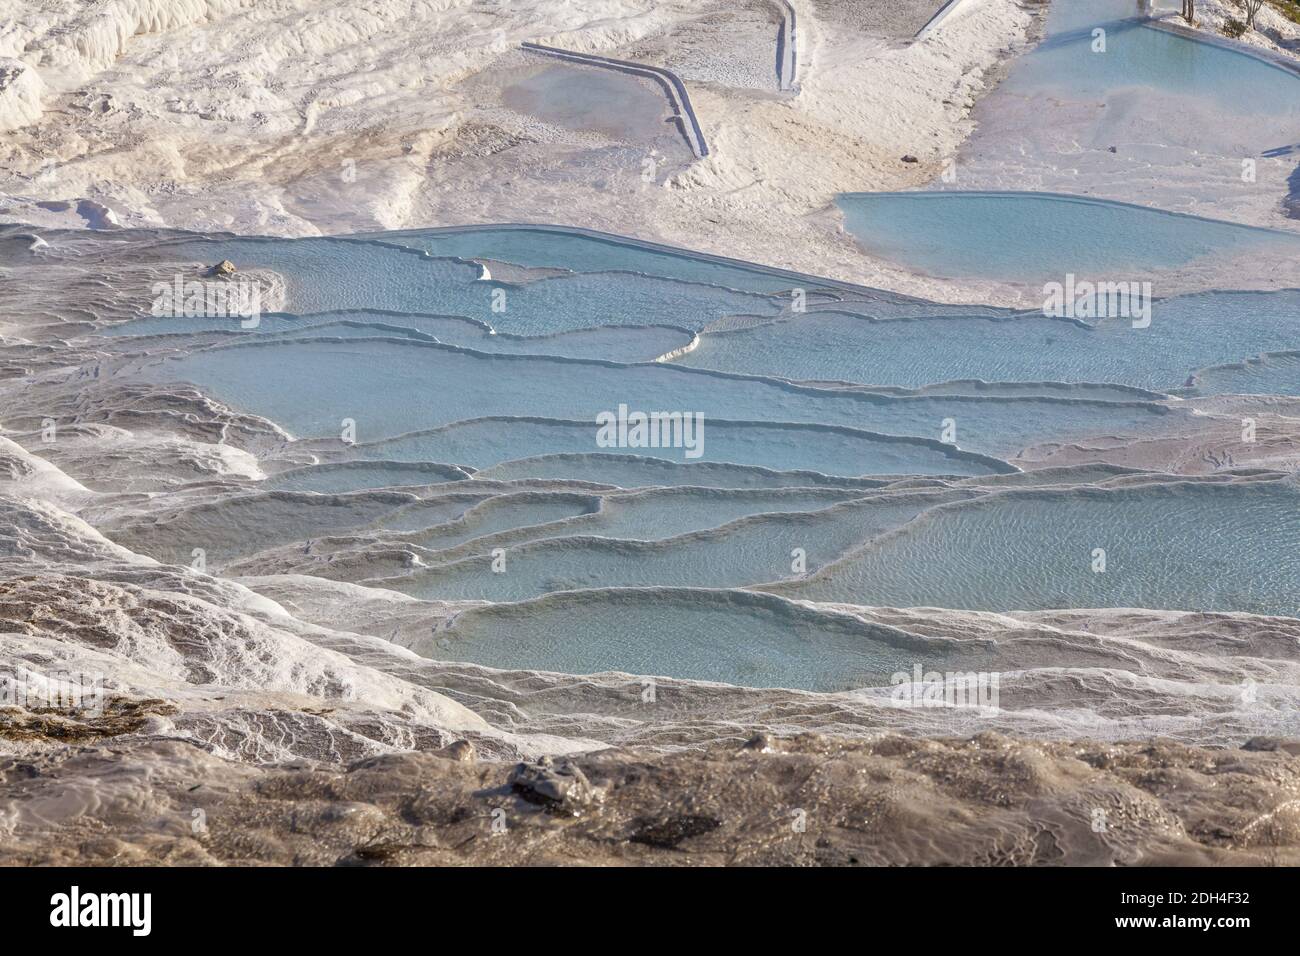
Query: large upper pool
(1111,104)
(1036,237)
(1099,47)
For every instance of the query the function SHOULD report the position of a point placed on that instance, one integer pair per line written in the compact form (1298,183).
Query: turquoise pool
(1035,237)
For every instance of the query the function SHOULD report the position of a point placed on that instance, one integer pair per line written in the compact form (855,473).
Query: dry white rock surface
(301,117)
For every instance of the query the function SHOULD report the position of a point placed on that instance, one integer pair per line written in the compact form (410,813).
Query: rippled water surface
(1123,107)
(1039,237)
(440,392)
(864,452)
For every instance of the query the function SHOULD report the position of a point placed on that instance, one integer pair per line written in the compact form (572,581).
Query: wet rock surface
(47,724)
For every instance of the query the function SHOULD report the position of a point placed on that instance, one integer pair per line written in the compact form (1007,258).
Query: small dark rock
(909,158)
(1286,745)
(371,853)
(666,834)
(556,786)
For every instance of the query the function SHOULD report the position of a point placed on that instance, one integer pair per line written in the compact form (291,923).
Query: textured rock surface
(984,801)
(278,715)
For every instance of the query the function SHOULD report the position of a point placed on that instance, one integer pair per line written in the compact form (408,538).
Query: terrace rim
(1066,197)
(805,279)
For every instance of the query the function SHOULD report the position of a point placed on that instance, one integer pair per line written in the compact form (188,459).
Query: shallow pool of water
(1035,237)
(735,639)
(586,98)
(483,443)
(589,252)
(1109,104)
(388,388)
(1186,333)
(1200,547)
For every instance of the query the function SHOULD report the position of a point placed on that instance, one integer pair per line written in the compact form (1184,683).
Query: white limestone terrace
(321,116)
(289,660)
(316,117)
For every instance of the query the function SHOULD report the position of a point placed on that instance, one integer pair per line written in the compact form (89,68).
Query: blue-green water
(1185,546)
(1075,61)
(390,387)
(539,247)
(829,491)
(1106,99)
(1186,333)
(865,451)
(1035,237)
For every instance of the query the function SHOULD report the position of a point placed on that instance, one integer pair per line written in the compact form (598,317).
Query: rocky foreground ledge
(99,792)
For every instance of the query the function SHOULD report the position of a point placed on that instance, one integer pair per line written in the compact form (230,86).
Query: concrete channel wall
(942,14)
(677,95)
(787,50)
